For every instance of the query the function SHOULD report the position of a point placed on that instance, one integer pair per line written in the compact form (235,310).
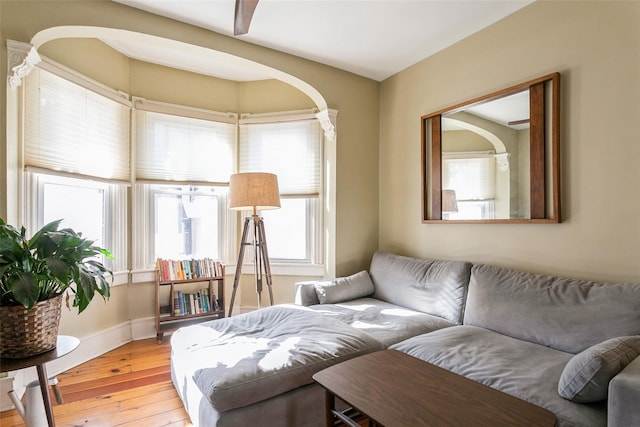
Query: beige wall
(356,99)
(596,48)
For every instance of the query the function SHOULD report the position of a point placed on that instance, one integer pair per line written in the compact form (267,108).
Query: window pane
(286,230)
(187,222)
(81,208)
(475,209)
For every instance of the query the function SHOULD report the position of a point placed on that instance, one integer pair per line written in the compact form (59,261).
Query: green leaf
(52,226)
(25,289)
(59,269)
(87,283)
(81,301)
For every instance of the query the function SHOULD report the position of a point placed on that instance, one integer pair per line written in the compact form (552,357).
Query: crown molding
(327,119)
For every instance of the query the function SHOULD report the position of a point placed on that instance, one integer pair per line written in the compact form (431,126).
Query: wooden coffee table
(394,389)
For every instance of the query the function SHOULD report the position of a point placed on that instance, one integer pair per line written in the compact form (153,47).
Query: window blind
(71,129)
(183,149)
(291,150)
(471,178)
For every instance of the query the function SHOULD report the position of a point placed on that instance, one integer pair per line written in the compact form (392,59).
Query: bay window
(114,167)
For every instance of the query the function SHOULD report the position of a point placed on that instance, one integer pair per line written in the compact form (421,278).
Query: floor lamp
(254,191)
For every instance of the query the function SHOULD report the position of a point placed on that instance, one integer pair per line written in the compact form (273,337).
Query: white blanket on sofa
(242,360)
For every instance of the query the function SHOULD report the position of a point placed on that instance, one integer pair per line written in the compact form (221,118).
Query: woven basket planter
(25,333)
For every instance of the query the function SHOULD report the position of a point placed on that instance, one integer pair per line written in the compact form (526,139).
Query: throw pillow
(344,288)
(586,377)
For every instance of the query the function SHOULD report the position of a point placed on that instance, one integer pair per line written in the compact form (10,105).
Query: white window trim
(86,82)
(116,196)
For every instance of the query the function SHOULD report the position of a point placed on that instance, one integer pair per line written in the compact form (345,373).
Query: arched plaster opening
(489,136)
(208,55)
(23,57)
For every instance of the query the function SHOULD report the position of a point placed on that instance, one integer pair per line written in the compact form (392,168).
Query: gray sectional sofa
(568,345)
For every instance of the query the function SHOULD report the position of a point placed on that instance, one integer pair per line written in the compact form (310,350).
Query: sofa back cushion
(434,287)
(562,313)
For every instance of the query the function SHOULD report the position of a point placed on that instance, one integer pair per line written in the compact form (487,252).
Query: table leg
(44,388)
(329,402)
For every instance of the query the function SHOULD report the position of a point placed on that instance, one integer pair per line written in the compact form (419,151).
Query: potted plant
(34,274)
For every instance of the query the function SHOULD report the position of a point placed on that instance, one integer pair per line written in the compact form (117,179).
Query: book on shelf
(188,269)
(187,303)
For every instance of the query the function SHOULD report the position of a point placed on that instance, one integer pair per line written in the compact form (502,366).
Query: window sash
(114,235)
(145,220)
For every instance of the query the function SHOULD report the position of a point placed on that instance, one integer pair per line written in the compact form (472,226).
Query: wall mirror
(494,159)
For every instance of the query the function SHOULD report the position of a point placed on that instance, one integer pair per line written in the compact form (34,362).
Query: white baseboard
(143,328)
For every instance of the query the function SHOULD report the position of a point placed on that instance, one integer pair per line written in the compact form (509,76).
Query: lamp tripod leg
(236,279)
(261,267)
(264,255)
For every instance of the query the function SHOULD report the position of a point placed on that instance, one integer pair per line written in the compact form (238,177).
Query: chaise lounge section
(259,365)
(570,346)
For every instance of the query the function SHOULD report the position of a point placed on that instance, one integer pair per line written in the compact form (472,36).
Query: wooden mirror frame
(544,154)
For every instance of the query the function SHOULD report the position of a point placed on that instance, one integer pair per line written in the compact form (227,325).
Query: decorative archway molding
(501,156)
(22,57)
(31,57)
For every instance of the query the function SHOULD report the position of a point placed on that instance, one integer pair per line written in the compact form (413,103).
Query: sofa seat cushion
(251,357)
(388,323)
(528,371)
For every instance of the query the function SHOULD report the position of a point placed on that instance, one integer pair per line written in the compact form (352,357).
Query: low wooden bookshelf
(187,303)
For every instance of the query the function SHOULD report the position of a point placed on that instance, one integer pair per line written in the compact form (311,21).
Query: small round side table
(65,345)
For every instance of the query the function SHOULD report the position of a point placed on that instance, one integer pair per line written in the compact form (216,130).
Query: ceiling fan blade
(244,13)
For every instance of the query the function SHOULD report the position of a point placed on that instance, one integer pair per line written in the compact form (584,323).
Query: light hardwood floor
(129,386)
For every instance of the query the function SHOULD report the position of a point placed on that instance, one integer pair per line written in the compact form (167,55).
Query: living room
(377,200)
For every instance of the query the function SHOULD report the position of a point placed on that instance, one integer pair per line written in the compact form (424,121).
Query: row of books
(185,303)
(188,269)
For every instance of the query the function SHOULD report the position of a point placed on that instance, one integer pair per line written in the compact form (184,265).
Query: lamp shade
(253,190)
(449,201)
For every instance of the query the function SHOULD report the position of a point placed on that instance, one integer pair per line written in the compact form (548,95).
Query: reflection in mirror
(495,158)
(482,147)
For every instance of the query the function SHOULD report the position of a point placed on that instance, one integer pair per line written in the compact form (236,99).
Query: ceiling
(371,38)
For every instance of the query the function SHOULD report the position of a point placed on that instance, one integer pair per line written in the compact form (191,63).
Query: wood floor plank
(113,387)
(128,386)
(105,403)
(112,379)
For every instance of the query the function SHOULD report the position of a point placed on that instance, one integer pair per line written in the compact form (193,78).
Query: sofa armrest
(624,394)
(306,293)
